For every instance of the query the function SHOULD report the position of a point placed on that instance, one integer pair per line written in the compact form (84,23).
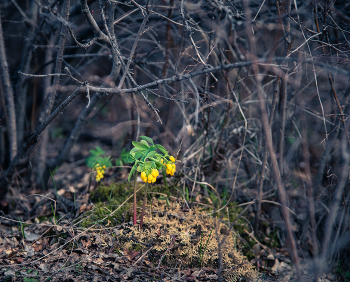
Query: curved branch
(92,23)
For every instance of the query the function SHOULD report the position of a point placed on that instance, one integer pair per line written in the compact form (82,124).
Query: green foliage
(31,279)
(97,156)
(124,158)
(145,157)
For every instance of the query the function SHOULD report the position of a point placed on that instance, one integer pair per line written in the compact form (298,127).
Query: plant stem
(143,205)
(164,177)
(135,202)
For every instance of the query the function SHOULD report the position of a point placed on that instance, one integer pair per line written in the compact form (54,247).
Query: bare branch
(11,119)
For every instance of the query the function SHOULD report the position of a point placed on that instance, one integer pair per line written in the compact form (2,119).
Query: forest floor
(80,230)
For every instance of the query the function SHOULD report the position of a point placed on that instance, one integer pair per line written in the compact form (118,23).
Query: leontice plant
(98,162)
(149,159)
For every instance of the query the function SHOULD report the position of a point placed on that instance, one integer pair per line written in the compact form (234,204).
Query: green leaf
(159,165)
(125,157)
(132,172)
(138,155)
(148,139)
(166,199)
(151,154)
(140,146)
(162,149)
(91,161)
(148,165)
(134,150)
(145,153)
(144,142)
(97,152)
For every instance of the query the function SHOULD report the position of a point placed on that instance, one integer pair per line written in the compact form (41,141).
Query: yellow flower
(143,174)
(170,168)
(155,172)
(100,171)
(172,159)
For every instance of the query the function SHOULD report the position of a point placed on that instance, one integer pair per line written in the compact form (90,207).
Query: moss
(117,251)
(136,247)
(190,235)
(109,197)
(161,208)
(118,191)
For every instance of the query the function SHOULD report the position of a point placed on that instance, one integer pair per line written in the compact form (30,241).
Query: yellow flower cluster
(171,167)
(100,171)
(151,177)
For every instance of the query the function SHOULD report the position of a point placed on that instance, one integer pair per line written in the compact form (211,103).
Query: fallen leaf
(9,273)
(72,189)
(44,267)
(99,261)
(61,192)
(29,250)
(274,269)
(31,236)
(197,273)
(82,208)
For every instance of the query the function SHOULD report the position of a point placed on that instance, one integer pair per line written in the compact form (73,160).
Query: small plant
(54,214)
(201,249)
(148,159)
(98,162)
(22,228)
(148,162)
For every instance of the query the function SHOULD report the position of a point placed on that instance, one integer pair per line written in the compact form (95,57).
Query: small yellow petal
(172,158)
